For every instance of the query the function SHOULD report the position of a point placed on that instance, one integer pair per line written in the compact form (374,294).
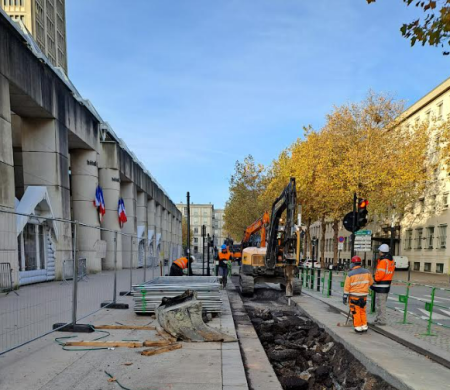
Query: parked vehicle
(308,264)
(401,262)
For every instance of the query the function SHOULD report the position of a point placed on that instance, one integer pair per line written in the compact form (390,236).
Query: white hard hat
(192,259)
(384,248)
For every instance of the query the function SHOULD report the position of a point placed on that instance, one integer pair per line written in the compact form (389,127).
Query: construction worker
(223,256)
(179,265)
(356,289)
(383,278)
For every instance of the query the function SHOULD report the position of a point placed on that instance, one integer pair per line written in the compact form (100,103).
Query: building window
(445,200)
(440,110)
(443,236)
(419,237)
(195,249)
(428,116)
(185,211)
(32,248)
(430,237)
(416,266)
(195,240)
(195,230)
(408,239)
(427,267)
(421,205)
(440,268)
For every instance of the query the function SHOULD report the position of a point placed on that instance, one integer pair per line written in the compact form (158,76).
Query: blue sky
(194,85)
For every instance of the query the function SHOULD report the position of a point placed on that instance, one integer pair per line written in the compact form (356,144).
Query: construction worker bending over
(223,257)
(356,289)
(179,265)
(383,278)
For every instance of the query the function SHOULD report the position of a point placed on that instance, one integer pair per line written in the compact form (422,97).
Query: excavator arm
(259,224)
(286,201)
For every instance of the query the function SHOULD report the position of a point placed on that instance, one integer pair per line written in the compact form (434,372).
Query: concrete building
(421,235)
(55,150)
(219,231)
(46,22)
(201,214)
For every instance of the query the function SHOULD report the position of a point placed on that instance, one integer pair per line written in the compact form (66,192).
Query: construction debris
(181,317)
(157,351)
(147,297)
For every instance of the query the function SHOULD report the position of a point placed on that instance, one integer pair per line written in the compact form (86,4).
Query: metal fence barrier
(55,297)
(6,281)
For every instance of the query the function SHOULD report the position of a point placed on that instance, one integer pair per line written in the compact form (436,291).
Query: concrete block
(5,104)
(109,179)
(83,187)
(109,156)
(6,148)
(39,135)
(43,169)
(83,162)
(7,187)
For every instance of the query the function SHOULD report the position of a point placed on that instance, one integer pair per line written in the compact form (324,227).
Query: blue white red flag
(122,213)
(99,202)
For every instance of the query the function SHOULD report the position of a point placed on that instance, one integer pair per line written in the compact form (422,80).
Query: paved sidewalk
(43,365)
(413,332)
(396,364)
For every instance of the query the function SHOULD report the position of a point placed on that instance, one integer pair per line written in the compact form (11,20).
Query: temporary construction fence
(432,298)
(147,297)
(52,290)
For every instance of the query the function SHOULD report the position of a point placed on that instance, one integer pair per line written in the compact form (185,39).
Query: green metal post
(307,278)
(406,303)
(312,279)
(429,307)
(372,301)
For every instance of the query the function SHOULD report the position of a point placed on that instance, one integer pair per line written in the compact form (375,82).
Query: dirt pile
(304,356)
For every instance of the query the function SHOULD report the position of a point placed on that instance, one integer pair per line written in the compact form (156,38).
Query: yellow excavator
(278,262)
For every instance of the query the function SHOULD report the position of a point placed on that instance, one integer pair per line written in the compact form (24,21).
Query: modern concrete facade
(55,150)
(421,235)
(46,21)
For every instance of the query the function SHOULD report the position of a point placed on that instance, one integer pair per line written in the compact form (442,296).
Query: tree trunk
(323,227)
(335,241)
(308,239)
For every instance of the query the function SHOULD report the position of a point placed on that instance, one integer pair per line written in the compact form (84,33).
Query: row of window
(13,3)
(429,240)
(427,267)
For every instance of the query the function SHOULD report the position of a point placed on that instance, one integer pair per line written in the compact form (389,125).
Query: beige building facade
(421,235)
(219,232)
(46,21)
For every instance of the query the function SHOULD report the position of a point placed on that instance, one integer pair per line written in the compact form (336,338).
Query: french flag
(122,213)
(99,203)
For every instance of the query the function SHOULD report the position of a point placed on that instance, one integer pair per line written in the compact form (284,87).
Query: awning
(151,233)
(35,201)
(140,233)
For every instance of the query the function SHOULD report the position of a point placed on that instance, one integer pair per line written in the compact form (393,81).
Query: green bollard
(372,301)
(312,279)
(429,307)
(330,280)
(404,299)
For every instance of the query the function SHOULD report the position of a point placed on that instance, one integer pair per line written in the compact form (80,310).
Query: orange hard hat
(356,259)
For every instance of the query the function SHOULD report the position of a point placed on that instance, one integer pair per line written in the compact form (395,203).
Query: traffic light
(361,219)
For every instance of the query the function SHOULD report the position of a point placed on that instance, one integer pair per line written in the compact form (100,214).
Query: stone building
(55,150)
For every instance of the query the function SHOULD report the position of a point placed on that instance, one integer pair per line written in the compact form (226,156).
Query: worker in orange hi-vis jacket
(356,289)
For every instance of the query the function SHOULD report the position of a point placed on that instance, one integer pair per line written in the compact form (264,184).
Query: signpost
(363,241)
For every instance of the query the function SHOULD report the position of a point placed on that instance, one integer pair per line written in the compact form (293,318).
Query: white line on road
(436,298)
(436,316)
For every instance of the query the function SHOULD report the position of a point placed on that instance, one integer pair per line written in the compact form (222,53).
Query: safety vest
(383,275)
(182,262)
(224,256)
(357,282)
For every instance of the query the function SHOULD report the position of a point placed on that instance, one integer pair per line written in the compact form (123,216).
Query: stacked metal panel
(147,297)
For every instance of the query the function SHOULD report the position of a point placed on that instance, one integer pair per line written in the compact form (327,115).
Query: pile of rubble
(304,356)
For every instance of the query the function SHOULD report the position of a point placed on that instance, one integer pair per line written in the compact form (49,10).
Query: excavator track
(247,284)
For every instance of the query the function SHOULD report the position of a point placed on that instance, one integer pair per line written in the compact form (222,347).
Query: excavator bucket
(181,317)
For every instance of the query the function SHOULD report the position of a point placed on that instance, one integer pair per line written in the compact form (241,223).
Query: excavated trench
(302,354)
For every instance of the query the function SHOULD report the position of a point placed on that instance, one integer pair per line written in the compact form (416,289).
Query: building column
(109,179)
(151,220)
(8,233)
(46,163)
(129,244)
(83,165)
(158,231)
(142,224)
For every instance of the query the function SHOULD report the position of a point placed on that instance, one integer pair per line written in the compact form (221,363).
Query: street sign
(341,239)
(340,246)
(363,241)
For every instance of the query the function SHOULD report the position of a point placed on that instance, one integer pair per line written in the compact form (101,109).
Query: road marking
(445,311)
(436,316)
(436,298)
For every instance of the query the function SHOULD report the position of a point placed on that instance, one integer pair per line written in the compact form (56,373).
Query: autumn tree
(245,204)
(433,29)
